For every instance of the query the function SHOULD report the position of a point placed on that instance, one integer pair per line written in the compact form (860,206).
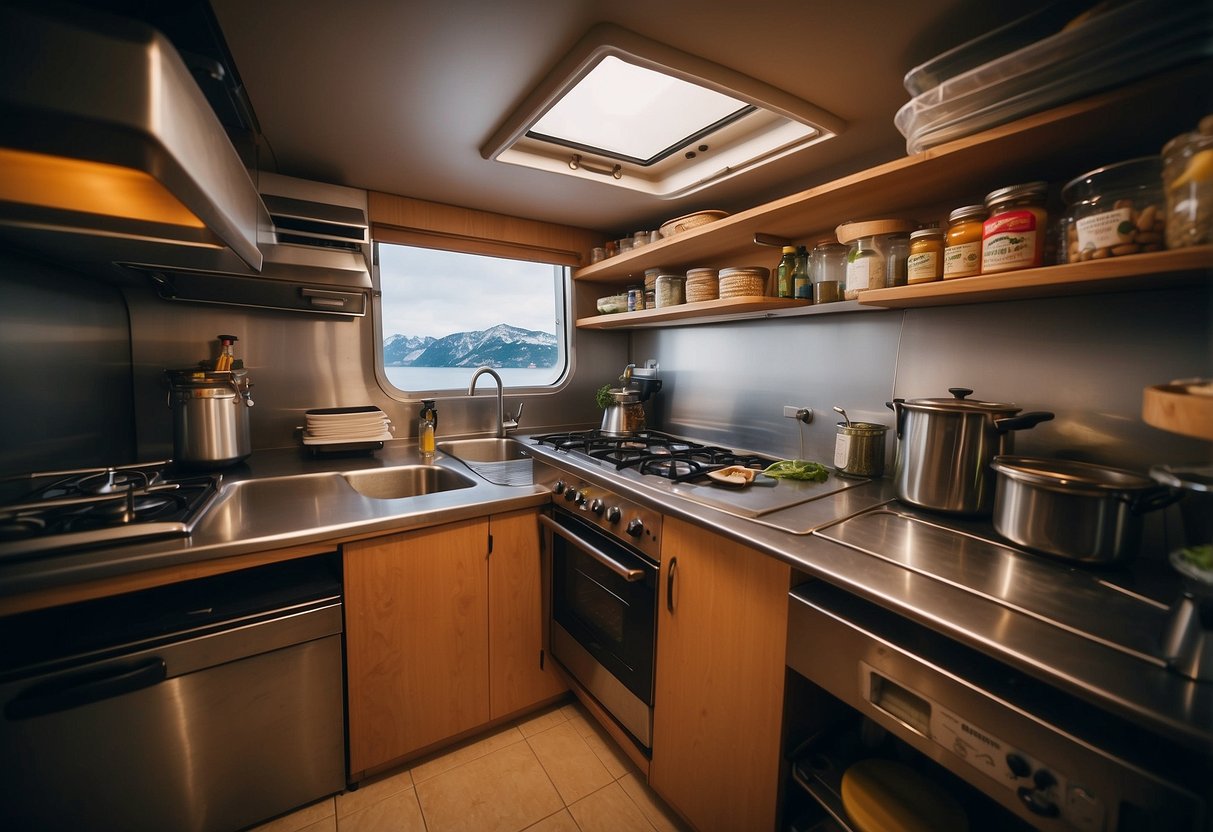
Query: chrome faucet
(503,424)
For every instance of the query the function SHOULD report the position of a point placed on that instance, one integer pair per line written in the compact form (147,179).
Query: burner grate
(653,453)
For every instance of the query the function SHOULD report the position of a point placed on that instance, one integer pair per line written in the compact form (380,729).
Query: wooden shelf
(1054,145)
(1185,266)
(705,311)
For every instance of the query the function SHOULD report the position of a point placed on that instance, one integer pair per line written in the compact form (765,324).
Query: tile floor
(552,771)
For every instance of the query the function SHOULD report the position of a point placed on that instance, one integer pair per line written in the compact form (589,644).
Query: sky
(435,293)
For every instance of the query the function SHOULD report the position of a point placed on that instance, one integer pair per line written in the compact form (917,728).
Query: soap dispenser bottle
(427,424)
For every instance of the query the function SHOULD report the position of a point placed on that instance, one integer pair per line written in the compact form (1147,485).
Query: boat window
(441,314)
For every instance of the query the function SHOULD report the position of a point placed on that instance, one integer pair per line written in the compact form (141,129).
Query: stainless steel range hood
(106,140)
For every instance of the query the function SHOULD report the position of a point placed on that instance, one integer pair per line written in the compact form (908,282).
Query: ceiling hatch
(633,113)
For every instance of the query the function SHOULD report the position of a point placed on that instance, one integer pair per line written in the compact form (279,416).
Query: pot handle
(896,407)
(1022,421)
(1154,499)
(960,392)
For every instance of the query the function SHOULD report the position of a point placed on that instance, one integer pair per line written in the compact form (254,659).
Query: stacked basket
(702,284)
(741,282)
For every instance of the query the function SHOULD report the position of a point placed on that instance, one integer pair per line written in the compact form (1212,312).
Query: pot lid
(625,395)
(959,403)
(1192,478)
(1071,476)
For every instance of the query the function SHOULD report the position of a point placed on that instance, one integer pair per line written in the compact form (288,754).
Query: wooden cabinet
(442,636)
(519,673)
(721,639)
(416,639)
(1055,145)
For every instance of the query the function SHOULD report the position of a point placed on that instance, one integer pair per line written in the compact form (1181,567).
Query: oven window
(602,609)
(442,314)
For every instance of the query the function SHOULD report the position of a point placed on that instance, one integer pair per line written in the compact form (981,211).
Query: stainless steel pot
(945,446)
(210,417)
(624,416)
(1074,510)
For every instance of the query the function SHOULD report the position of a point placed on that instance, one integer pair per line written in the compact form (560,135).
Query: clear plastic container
(1115,210)
(670,290)
(1188,185)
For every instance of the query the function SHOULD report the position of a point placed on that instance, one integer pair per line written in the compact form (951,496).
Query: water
(436,379)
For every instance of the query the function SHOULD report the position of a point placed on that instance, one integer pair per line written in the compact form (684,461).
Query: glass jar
(635,298)
(1115,210)
(828,261)
(865,267)
(802,285)
(784,272)
(670,290)
(896,251)
(1013,236)
(925,263)
(962,242)
(1188,181)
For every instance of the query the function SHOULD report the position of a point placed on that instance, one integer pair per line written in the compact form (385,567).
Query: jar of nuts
(1115,210)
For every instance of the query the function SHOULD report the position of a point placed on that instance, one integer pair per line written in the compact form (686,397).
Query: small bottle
(802,284)
(427,425)
(784,288)
(226,357)
(897,251)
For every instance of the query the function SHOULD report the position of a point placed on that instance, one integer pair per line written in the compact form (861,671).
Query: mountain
(499,346)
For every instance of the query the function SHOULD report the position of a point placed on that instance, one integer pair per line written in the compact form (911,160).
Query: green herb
(1199,556)
(603,397)
(798,469)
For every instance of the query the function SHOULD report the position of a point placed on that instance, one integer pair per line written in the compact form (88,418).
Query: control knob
(598,506)
(635,527)
(558,487)
(572,495)
(613,514)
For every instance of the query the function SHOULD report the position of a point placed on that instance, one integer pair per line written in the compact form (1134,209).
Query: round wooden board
(1173,407)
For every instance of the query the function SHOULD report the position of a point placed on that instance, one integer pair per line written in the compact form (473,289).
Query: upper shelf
(1054,145)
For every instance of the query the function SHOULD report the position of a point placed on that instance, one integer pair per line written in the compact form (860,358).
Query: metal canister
(859,449)
(210,417)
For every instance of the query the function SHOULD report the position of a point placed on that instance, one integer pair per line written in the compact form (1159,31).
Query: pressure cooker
(210,416)
(945,447)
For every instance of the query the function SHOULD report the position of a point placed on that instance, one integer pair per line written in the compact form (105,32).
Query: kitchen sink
(406,481)
(500,461)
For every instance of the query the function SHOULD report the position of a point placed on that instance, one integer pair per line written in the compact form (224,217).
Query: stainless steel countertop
(965,601)
(275,499)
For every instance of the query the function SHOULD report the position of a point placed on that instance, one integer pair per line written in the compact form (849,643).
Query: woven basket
(740,283)
(702,284)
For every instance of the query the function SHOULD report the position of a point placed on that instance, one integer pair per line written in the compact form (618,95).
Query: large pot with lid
(945,447)
(624,416)
(210,416)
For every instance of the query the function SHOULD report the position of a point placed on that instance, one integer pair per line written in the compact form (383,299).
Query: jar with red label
(1013,236)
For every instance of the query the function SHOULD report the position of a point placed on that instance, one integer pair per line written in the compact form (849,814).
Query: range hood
(106,140)
(112,160)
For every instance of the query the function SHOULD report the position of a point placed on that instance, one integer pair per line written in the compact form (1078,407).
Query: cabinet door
(416,639)
(721,639)
(520,672)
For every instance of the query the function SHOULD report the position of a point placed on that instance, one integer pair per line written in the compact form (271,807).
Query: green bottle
(787,266)
(802,286)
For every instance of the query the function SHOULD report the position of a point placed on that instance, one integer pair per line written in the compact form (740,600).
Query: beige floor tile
(399,812)
(609,810)
(609,753)
(584,724)
(372,791)
(300,819)
(541,721)
(651,805)
(574,768)
(329,824)
(562,821)
(574,709)
(465,752)
(505,791)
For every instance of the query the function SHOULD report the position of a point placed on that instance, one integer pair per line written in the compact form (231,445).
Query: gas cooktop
(67,510)
(679,467)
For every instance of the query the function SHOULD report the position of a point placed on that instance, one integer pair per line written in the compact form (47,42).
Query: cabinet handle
(669,584)
(76,692)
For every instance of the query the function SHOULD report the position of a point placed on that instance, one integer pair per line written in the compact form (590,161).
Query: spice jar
(1188,183)
(1115,210)
(872,242)
(635,298)
(896,252)
(670,290)
(925,263)
(962,242)
(828,270)
(1013,236)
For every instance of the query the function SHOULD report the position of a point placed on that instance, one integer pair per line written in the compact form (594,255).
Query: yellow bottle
(427,424)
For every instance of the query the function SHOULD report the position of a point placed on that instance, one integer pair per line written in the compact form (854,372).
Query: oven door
(604,619)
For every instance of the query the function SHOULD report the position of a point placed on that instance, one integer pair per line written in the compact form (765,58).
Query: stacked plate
(345,425)
(741,282)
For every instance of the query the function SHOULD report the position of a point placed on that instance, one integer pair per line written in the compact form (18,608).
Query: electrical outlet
(803,414)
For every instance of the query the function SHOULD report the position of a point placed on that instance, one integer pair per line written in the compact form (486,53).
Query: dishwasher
(208,705)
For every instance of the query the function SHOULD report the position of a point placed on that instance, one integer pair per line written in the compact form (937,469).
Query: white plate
(308,439)
(358,427)
(344,414)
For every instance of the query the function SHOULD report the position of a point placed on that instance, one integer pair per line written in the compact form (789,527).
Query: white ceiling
(399,95)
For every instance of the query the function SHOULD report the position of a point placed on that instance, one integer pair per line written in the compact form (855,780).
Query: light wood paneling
(516,613)
(416,639)
(720,674)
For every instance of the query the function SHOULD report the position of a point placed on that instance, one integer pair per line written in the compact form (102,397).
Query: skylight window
(635,114)
(632,113)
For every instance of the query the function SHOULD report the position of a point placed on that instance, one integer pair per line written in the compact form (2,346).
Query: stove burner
(654,453)
(111,481)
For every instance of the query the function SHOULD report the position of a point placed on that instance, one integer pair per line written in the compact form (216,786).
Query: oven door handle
(629,575)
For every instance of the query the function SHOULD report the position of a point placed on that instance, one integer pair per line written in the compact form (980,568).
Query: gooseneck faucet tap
(503,424)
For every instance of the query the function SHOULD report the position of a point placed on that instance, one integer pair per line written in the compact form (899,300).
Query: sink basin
(485,450)
(406,481)
(500,461)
